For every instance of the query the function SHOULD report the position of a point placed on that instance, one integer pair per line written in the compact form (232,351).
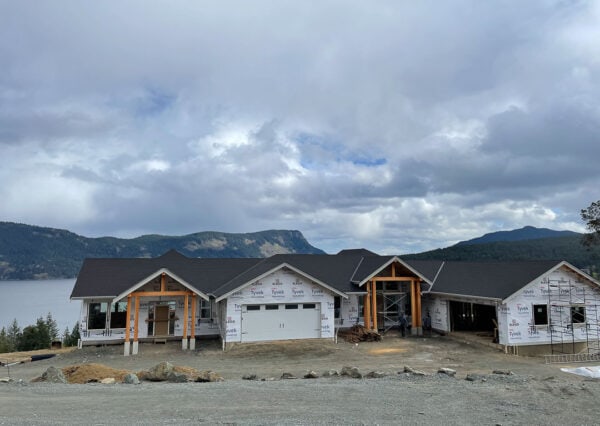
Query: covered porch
(161,307)
(392,293)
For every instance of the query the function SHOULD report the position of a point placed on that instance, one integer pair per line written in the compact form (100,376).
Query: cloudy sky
(398,126)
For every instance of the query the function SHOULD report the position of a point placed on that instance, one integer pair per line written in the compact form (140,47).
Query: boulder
(5,380)
(473,377)
(503,372)
(176,377)
(287,375)
(414,371)
(331,373)
(131,379)
(209,376)
(160,372)
(249,377)
(311,375)
(53,375)
(375,375)
(108,381)
(353,372)
(447,371)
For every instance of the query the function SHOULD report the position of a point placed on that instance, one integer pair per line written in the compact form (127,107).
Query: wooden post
(193,330)
(136,317)
(163,285)
(127,348)
(418,305)
(184,342)
(374,304)
(413,307)
(367,308)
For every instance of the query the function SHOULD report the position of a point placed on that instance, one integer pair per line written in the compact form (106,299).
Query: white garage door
(281,321)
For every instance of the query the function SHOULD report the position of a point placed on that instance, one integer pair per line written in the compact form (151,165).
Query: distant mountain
(525,233)
(556,247)
(33,252)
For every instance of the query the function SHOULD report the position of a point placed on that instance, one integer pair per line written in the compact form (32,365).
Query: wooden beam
(185,315)
(418,302)
(163,282)
(193,330)
(374,304)
(128,322)
(136,316)
(392,278)
(393,270)
(367,308)
(413,306)
(162,293)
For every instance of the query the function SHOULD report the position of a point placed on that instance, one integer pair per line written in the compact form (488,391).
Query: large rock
(176,377)
(160,372)
(131,379)
(375,375)
(311,375)
(108,381)
(331,373)
(447,371)
(249,377)
(353,372)
(410,370)
(53,375)
(287,375)
(209,376)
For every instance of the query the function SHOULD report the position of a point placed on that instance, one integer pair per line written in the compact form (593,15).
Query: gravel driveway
(535,394)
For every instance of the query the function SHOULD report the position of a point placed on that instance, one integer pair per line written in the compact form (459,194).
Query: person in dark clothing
(403,324)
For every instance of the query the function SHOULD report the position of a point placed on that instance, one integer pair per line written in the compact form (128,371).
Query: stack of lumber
(358,333)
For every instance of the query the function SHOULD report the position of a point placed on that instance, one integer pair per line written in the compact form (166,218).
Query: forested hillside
(33,252)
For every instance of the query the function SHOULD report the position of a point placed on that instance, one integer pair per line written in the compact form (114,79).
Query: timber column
(374,304)
(127,348)
(136,316)
(193,329)
(415,303)
(367,308)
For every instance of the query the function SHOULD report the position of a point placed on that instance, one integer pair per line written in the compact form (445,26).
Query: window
(540,314)
(336,306)
(271,307)
(578,314)
(291,306)
(309,306)
(253,308)
(97,316)
(118,315)
(205,309)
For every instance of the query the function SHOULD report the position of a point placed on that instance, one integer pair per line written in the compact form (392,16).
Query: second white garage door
(281,321)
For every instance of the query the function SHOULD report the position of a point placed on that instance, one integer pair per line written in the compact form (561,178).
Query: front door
(161,320)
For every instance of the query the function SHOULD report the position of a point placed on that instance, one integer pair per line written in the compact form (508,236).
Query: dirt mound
(86,373)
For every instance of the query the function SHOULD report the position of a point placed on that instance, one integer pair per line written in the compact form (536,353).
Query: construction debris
(358,333)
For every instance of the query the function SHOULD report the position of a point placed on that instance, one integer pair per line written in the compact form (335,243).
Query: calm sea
(28,300)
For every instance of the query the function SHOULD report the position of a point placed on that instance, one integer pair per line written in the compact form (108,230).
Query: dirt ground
(537,393)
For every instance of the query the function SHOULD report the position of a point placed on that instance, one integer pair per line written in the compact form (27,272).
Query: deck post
(374,304)
(193,325)
(136,317)
(367,308)
(127,348)
(184,339)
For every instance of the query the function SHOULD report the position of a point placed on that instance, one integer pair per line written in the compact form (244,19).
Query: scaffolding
(573,320)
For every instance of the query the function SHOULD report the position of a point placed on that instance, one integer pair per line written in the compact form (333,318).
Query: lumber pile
(358,333)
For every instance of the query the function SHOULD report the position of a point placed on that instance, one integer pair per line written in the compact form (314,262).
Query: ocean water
(26,301)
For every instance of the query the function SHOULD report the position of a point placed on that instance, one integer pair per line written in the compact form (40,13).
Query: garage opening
(466,316)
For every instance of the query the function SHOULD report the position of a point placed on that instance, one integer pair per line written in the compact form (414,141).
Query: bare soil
(536,393)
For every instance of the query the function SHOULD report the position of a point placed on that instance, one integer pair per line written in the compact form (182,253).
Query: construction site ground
(536,393)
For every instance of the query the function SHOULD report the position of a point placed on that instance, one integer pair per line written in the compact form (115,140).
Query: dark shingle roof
(496,280)
(111,277)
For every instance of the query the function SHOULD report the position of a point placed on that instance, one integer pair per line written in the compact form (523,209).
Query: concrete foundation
(184,344)
(127,349)
(192,343)
(134,350)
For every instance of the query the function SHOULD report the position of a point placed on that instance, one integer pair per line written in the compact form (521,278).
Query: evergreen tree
(14,335)
(5,345)
(52,327)
(35,336)
(71,339)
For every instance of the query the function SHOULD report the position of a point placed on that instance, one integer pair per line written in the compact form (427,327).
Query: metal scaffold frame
(573,310)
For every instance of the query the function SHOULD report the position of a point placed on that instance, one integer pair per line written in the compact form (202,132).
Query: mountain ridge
(522,234)
(35,252)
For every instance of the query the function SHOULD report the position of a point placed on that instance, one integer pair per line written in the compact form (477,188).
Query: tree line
(37,336)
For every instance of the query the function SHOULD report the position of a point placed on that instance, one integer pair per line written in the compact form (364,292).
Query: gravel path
(535,394)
